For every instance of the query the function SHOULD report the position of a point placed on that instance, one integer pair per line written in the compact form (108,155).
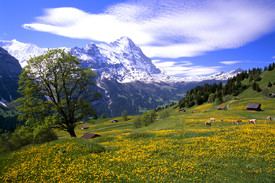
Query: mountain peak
(123,42)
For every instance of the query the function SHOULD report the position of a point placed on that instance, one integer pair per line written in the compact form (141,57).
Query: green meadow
(178,148)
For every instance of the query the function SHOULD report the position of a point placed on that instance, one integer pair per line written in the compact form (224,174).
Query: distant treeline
(8,118)
(218,92)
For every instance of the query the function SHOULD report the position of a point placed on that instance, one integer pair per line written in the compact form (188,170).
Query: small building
(182,110)
(254,106)
(113,121)
(83,127)
(89,136)
(221,107)
(272,95)
(237,98)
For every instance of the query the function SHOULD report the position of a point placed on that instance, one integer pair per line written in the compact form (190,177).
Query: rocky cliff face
(10,69)
(121,60)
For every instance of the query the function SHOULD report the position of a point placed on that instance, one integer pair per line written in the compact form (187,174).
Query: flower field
(179,148)
(242,153)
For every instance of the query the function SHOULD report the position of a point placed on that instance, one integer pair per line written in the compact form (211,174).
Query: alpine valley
(127,79)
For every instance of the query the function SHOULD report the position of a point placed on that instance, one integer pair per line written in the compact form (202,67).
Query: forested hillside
(220,93)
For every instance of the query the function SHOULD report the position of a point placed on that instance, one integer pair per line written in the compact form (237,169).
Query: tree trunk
(71,131)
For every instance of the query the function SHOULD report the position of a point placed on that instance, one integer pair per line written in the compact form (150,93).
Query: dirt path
(98,129)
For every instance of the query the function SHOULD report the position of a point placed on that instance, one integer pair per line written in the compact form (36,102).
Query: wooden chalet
(254,106)
(89,136)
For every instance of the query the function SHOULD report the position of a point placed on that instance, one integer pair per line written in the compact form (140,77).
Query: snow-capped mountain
(219,76)
(121,60)
(21,51)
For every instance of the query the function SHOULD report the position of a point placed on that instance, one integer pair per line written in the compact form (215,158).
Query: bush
(164,114)
(137,122)
(45,136)
(124,115)
(219,101)
(149,117)
(103,116)
(227,98)
(23,136)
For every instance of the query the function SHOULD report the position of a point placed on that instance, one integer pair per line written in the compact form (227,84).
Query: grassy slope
(176,149)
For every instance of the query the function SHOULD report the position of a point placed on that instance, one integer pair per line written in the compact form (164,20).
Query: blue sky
(184,37)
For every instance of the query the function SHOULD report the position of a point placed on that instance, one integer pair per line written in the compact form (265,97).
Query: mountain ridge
(121,60)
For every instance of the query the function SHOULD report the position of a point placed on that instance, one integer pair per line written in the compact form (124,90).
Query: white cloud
(168,28)
(273,57)
(185,68)
(230,62)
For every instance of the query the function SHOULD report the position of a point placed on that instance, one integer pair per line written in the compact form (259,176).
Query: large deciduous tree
(56,92)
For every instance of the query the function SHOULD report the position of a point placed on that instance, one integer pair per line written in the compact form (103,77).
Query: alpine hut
(89,136)
(254,106)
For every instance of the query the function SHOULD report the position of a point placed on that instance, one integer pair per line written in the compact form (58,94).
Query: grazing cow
(252,121)
(268,118)
(237,122)
(208,123)
(212,119)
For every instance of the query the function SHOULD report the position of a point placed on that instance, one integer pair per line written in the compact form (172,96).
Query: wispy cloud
(166,28)
(273,57)
(230,62)
(185,68)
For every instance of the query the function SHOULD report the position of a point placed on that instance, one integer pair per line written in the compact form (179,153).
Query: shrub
(164,114)
(149,117)
(103,116)
(137,122)
(124,115)
(45,136)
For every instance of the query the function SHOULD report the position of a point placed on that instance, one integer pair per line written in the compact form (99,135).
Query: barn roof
(89,136)
(252,106)
(221,107)
(85,127)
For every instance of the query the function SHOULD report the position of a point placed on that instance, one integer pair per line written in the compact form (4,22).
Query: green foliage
(211,98)
(103,116)
(138,135)
(215,92)
(92,146)
(56,91)
(148,117)
(124,115)
(137,122)
(164,113)
(23,136)
(219,101)
(269,84)
(8,118)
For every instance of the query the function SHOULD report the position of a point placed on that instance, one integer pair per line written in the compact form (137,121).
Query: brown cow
(221,120)
(212,119)
(252,121)
(208,123)
(268,118)
(237,122)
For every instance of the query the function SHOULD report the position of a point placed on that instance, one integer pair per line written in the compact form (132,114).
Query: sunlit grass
(179,148)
